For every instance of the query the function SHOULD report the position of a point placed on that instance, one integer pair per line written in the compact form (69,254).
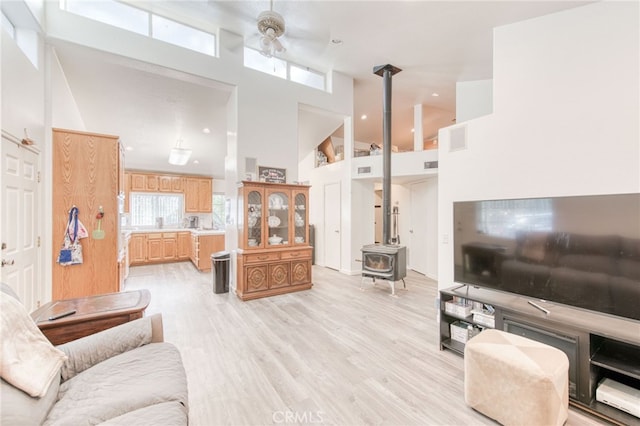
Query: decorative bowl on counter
(275,239)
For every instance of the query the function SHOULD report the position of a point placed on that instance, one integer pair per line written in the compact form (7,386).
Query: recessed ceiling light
(435,95)
(206,130)
(129,148)
(196,162)
(363,117)
(336,41)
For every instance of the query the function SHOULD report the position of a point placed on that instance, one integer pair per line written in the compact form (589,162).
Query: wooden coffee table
(93,314)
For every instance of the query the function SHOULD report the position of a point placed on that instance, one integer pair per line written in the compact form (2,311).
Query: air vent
(458,139)
(430,164)
(363,170)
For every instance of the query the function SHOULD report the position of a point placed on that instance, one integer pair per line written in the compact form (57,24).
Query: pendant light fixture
(179,156)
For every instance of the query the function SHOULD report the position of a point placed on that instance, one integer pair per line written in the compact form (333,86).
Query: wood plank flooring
(335,354)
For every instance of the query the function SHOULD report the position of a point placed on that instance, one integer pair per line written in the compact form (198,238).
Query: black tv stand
(598,345)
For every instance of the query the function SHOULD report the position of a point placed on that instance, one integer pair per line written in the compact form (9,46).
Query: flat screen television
(582,251)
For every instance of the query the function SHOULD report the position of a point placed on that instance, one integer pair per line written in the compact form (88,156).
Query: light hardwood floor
(335,354)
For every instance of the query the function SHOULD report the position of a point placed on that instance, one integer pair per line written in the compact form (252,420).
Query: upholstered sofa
(591,271)
(125,375)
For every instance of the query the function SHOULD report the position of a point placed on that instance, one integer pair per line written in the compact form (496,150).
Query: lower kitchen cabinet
(159,247)
(203,246)
(184,245)
(138,249)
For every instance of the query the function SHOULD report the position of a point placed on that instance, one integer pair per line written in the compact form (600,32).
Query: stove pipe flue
(386,72)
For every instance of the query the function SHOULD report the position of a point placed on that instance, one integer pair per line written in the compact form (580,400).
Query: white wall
(565,118)
(473,99)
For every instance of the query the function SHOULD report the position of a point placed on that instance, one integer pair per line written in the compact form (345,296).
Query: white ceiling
(436,44)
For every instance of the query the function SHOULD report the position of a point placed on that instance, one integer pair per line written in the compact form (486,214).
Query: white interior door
(18,229)
(418,230)
(332,225)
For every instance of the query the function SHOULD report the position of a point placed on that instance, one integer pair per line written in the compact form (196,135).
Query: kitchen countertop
(193,231)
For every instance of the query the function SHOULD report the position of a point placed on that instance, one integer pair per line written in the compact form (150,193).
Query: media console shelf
(599,346)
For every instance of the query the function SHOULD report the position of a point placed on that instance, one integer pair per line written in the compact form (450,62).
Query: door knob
(7,262)
(336,231)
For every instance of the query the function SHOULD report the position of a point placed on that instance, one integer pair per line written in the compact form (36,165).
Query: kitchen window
(218,211)
(147,207)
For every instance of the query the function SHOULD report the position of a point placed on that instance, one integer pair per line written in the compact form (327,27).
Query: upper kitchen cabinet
(198,195)
(197,190)
(151,182)
(87,173)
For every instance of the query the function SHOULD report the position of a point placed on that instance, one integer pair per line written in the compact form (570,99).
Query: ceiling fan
(271,26)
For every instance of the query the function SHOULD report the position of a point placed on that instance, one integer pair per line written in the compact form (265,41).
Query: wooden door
(332,240)
(85,169)
(19,230)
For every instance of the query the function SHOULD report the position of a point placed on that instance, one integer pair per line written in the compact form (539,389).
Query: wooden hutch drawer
(297,254)
(261,257)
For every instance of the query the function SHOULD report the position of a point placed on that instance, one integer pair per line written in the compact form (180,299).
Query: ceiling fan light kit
(271,26)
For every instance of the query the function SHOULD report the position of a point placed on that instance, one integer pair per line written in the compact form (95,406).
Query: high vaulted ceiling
(435,43)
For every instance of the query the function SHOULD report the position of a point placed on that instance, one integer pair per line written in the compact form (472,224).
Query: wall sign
(272,174)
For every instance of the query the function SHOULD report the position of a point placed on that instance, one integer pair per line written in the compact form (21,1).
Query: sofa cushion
(165,413)
(630,248)
(28,360)
(629,269)
(589,263)
(604,245)
(532,246)
(139,378)
(19,409)
(91,350)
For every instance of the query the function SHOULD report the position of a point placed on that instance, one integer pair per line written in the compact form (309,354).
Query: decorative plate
(273,221)
(276,202)
(252,221)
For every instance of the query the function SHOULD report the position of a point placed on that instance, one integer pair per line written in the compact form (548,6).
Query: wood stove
(385,261)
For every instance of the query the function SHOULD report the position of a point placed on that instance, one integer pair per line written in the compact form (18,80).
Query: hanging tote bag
(71,251)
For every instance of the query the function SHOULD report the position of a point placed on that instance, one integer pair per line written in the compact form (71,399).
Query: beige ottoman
(515,380)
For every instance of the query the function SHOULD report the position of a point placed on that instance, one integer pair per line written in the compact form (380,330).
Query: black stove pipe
(386,72)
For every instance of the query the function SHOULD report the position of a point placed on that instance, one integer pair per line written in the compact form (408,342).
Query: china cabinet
(274,255)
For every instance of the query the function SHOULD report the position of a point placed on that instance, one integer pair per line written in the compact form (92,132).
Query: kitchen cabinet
(274,255)
(87,172)
(138,182)
(154,247)
(203,246)
(170,183)
(151,183)
(198,195)
(184,245)
(158,247)
(169,246)
(138,249)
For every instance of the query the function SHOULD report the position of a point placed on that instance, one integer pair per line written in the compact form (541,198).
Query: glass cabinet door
(254,219)
(300,218)
(278,218)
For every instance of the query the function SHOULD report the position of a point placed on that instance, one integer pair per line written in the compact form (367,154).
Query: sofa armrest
(88,351)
